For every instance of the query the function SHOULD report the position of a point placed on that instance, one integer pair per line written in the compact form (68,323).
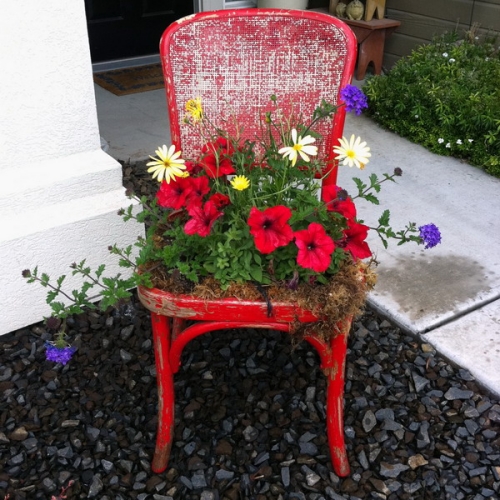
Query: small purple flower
(59,354)
(430,235)
(355,100)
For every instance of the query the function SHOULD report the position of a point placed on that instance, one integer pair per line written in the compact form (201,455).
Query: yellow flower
(352,153)
(168,165)
(300,147)
(194,108)
(240,182)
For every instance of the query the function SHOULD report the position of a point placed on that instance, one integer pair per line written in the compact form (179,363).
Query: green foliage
(446,97)
(195,238)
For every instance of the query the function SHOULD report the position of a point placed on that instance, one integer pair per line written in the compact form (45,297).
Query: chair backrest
(234,60)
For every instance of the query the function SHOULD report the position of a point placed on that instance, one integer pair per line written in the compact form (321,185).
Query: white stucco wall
(59,193)
(46,84)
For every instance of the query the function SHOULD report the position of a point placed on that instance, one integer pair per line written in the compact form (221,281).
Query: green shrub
(446,97)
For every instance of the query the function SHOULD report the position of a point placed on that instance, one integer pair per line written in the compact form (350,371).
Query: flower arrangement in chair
(250,219)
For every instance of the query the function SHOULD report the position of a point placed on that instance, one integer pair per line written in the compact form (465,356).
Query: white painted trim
(206,5)
(239,4)
(128,62)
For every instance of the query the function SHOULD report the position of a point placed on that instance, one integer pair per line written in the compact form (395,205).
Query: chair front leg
(335,403)
(166,393)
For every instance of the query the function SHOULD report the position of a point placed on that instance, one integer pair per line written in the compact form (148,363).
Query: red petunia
(174,194)
(202,220)
(193,168)
(354,240)
(335,203)
(220,200)
(270,228)
(315,248)
(199,188)
(215,159)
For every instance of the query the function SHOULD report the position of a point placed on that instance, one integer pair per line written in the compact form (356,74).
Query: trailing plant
(244,212)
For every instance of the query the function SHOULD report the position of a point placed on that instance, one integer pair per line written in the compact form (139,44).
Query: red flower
(336,202)
(315,248)
(174,194)
(354,240)
(203,219)
(193,168)
(270,228)
(220,200)
(215,159)
(199,188)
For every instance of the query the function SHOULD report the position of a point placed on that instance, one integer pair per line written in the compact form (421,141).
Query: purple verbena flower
(430,235)
(58,354)
(355,100)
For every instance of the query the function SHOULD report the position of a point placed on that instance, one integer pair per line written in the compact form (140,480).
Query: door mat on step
(131,80)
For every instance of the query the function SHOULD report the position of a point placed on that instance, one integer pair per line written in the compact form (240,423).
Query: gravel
(416,427)
(250,416)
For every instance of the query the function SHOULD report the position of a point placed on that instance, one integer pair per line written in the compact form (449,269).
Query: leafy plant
(445,96)
(244,211)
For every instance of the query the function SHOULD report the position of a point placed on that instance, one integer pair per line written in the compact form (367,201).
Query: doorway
(121,29)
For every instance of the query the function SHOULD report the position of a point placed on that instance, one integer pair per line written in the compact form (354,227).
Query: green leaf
(371,198)
(256,273)
(384,218)
(100,270)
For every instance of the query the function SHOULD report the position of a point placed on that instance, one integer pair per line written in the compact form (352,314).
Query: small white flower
(476,38)
(352,152)
(451,60)
(168,165)
(470,140)
(459,141)
(445,54)
(486,58)
(416,116)
(440,140)
(301,146)
(448,145)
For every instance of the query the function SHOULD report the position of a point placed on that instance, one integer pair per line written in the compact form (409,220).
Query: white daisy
(168,165)
(352,153)
(301,146)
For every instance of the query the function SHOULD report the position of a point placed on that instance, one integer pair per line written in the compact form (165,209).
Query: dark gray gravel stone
(456,393)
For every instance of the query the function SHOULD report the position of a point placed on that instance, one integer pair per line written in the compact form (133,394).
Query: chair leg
(166,394)
(335,404)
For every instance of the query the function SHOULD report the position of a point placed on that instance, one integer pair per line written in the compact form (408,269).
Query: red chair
(238,59)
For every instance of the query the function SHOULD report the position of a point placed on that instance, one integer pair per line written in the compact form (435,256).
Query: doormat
(131,80)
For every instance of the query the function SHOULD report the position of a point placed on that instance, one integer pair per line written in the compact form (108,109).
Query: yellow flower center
(297,147)
(350,153)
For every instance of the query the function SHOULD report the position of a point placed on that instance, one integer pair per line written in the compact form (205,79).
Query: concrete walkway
(448,295)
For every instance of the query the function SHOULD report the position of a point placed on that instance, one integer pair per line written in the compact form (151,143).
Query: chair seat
(195,308)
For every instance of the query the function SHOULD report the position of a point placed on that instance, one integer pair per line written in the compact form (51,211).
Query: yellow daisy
(194,108)
(352,153)
(301,146)
(168,165)
(240,182)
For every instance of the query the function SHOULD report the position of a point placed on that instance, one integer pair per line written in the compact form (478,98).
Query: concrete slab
(423,289)
(473,341)
(134,125)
